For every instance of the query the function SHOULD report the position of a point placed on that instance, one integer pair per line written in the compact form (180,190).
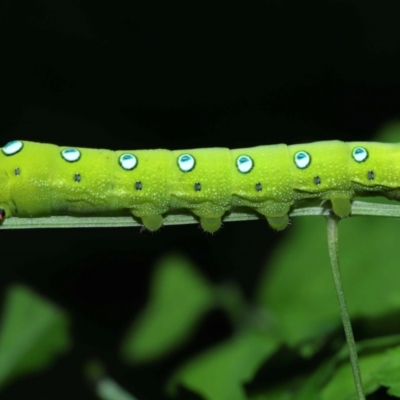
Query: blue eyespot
(244,164)
(12,148)
(127,161)
(186,162)
(71,155)
(360,154)
(302,159)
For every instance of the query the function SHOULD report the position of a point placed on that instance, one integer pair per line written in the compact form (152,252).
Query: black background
(112,75)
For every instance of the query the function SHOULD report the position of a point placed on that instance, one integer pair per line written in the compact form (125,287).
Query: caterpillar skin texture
(43,180)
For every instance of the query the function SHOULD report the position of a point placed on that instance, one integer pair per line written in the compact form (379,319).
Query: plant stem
(358,208)
(332,228)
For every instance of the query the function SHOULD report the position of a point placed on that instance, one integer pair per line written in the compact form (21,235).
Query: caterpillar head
(7,171)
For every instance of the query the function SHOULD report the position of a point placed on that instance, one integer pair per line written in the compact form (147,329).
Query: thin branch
(358,208)
(332,227)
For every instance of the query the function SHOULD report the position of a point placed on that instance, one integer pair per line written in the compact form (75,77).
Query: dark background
(112,75)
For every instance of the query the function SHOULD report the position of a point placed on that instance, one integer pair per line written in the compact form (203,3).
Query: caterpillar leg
(278,223)
(152,222)
(3,215)
(277,215)
(341,206)
(210,224)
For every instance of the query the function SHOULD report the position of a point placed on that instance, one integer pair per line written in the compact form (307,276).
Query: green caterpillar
(43,180)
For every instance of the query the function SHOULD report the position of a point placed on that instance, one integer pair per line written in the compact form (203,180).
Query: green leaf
(380,369)
(297,288)
(179,297)
(333,379)
(219,373)
(33,333)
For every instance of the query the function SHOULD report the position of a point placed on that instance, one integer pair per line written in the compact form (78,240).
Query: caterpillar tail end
(152,222)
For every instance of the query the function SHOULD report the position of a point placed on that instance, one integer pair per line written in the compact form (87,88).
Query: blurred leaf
(379,362)
(179,297)
(298,287)
(380,369)
(219,373)
(271,396)
(287,391)
(33,332)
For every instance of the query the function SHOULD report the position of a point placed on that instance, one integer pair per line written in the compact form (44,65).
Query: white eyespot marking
(12,148)
(302,159)
(186,162)
(244,164)
(71,155)
(360,154)
(128,161)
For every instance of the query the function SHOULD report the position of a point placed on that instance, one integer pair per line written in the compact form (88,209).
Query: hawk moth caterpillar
(40,179)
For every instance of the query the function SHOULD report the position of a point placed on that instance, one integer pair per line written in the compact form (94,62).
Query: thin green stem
(358,208)
(332,227)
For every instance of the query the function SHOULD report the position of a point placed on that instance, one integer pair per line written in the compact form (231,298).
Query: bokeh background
(120,75)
